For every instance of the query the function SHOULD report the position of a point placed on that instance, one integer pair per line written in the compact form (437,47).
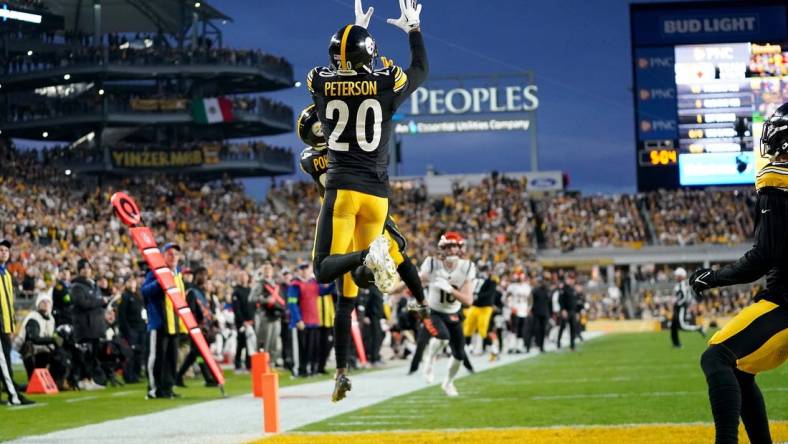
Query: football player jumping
(355,103)
(450,285)
(314,162)
(756,339)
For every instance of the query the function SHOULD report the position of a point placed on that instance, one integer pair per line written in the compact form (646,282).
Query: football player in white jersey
(449,279)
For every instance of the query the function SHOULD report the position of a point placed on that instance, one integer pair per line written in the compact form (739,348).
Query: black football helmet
(774,139)
(352,48)
(310,131)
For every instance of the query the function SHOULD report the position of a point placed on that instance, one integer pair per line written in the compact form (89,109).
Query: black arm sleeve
(748,268)
(419,67)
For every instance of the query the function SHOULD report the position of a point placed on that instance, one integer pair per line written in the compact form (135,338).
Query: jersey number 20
(338,106)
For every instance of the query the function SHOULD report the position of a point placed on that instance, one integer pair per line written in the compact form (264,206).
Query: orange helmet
(451,238)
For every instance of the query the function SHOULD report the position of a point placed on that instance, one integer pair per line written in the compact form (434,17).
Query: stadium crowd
(54,222)
(77,48)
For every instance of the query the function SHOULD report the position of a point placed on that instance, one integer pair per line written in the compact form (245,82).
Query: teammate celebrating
(450,285)
(351,175)
(756,339)
(314,162)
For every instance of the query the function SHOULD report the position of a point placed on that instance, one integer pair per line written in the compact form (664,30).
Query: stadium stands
(55,219)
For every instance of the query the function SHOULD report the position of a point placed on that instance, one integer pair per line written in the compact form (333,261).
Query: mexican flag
(212,110)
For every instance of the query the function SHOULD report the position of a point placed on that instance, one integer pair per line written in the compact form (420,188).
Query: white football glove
(444,285)
(362,19)
(409,19)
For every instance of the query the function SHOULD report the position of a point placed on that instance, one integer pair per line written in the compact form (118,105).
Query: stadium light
(197,4)
(68,172)
(224,22)
(101,92)
(29,52)
(67,76)
(297,84)
(1,131)
(45,134)
(7,14)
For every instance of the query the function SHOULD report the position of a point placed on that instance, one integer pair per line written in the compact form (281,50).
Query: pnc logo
(657,93)
(657,125)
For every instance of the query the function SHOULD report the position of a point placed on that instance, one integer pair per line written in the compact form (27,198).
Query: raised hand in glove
(363,18)
(409,18)
(444,285)
(702,279)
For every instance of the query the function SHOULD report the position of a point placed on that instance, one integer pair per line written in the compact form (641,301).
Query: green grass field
(616,379)
(73,409)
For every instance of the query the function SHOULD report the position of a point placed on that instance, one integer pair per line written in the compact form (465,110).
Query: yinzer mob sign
(157,158)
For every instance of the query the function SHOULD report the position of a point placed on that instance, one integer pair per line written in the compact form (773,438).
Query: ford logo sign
(543,182)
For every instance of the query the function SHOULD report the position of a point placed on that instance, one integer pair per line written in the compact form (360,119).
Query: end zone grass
(617,379)
(645,434)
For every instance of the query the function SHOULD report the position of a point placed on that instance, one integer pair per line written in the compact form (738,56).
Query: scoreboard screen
(705,76)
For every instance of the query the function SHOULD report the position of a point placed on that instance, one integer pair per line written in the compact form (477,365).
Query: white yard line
(240,419)
(82,399)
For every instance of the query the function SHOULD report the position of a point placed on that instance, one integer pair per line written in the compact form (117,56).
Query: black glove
(702,279)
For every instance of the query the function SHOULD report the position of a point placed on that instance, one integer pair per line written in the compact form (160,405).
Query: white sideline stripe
(300,405)
(126,393)
(86,398)
(25,407)
(632,395)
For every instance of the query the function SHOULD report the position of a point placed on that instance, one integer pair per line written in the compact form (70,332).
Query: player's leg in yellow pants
(477,321)
(346,216)
(755,340)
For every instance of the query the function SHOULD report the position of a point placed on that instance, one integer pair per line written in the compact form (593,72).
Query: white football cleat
(449,389)
(380,263)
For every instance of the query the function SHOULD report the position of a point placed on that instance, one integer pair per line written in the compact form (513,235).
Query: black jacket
(568,299)
(61,303)
(130,313)
(541,301)
(242,309)
(88,313)
(486,295)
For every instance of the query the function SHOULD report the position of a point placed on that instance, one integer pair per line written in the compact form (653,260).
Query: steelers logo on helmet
(352,48)
(774,140)
(310,131)
(370,44)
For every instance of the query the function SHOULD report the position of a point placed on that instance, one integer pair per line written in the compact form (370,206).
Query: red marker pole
(129,213)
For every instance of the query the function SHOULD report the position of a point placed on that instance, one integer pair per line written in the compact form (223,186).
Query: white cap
(680,272)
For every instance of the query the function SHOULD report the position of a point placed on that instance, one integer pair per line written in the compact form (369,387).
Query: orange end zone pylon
(260,367)
(270,386)
(129,213)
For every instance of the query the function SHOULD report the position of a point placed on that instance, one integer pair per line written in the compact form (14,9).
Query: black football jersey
(355,111)
(315,163)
